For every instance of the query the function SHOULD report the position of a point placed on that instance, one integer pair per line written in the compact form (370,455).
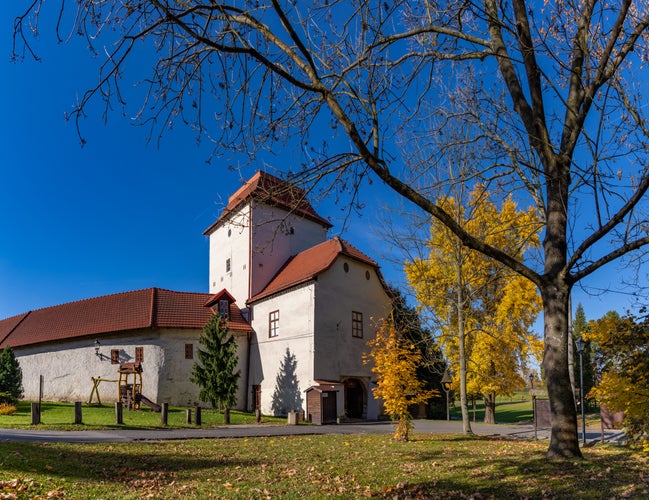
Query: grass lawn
(349,466)
(61,416)
(509,410)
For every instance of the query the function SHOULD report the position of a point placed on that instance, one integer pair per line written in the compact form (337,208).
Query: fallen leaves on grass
(26,488)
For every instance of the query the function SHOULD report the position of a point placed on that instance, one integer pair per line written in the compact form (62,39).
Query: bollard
(197,419)
(226,416)
(258,415)
(78,419)
(118,413)
(188,416)
(164,414)
(36,413)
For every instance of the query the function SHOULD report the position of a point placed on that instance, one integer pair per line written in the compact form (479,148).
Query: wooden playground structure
(129,387)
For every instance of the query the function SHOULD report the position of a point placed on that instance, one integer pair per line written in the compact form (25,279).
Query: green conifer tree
(11,376)
(216,372)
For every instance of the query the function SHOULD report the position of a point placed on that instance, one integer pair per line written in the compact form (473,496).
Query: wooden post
(197,419)
(78,419)
(226,416)
(258,415)
(188,416)
(164,413)
(119,413)
(36,413)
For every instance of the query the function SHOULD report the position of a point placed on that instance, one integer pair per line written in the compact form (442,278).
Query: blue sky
(119,214)
(113,216)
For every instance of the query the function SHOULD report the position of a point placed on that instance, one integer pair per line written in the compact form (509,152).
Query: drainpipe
(247,390)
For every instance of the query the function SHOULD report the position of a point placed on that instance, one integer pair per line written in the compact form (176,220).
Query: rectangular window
(139,354)
(224,308)
(273,324)
(357,324)
(228,265)
(114,356)
(189,351)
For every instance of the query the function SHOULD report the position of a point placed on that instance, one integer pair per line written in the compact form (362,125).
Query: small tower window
(228,265)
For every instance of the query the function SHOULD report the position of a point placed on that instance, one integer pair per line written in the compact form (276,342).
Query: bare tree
(559,88)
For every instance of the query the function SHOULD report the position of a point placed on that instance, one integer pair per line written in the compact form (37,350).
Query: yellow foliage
(499,306)
(7,409)
(621,348)
(395,362)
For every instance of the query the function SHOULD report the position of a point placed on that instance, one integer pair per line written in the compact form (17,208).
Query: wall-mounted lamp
(97,353)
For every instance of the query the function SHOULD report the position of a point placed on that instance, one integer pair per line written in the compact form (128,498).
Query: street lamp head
(446,381)
(580,344)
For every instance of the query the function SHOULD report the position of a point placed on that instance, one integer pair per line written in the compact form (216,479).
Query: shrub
(7,398)
(7,409)
(11,376)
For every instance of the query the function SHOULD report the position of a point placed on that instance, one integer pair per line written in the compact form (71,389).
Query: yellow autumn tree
(622,358)
(485,311)
(395,360)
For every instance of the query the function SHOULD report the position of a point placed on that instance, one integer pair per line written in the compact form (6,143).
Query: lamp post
(446,385)
(580,344)
(531,381)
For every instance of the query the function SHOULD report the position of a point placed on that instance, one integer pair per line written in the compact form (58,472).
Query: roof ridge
(24,317)
(115,294)
(153,315)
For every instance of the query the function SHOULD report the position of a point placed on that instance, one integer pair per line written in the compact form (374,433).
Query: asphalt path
(511,431)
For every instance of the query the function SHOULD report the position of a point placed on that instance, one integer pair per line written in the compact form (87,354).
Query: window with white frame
(357,324)
(273,324)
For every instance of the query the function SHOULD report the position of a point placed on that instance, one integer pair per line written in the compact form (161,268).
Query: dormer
(221,303)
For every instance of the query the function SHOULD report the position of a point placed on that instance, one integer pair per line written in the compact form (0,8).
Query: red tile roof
(271,190)
(306,265)
(148,308)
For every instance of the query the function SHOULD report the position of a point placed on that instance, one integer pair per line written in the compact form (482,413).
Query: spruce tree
(215,373)
(11,376)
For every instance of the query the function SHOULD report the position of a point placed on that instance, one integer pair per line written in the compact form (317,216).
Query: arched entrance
(354,398)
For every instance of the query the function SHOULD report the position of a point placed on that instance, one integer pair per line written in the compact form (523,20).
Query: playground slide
(149,403)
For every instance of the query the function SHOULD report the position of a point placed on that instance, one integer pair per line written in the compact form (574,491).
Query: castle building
(300,305)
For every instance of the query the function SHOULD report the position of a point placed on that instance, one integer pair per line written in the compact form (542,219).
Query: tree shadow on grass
(106,461)
(498,472)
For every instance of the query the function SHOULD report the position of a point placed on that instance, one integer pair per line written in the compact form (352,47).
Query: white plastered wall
(295,333)
(68,367)
(231,240)
(339,355)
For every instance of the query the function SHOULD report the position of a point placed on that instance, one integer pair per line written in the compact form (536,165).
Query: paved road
(514,431)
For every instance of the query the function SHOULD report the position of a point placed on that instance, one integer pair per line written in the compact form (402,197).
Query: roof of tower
(120,312)
(268,189)
(308,264)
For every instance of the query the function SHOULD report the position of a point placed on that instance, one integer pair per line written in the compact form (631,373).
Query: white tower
(266,222)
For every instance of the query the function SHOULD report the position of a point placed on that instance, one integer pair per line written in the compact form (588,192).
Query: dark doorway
(354,398)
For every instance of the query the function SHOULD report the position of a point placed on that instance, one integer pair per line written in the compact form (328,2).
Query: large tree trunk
(489,408)
(564,440)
